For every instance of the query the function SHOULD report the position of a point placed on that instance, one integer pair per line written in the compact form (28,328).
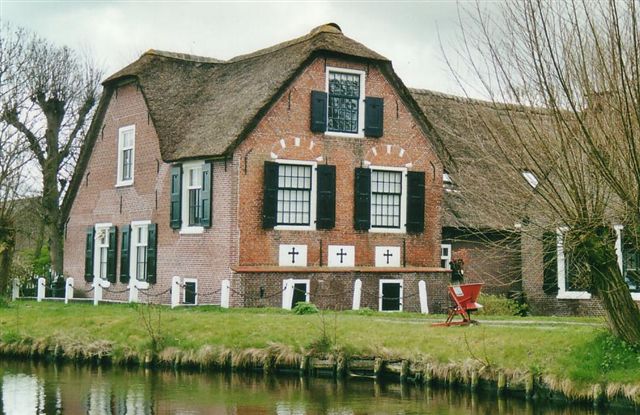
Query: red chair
(464,296)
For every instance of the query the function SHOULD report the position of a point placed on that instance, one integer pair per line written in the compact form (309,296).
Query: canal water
(31,388)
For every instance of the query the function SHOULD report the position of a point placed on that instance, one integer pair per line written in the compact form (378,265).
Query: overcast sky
(117,32)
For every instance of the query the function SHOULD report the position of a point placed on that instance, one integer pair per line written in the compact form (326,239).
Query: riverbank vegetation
(563,351)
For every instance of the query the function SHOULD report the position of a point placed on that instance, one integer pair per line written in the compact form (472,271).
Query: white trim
(185,229)
(119,181)
(294,282)
(313,196)
(403,202)
(140,222)
(389,281)
(360,133)
(563,294)
(620,256)
(184,290)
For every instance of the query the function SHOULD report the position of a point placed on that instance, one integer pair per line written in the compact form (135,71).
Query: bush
(498,305)
(302,308)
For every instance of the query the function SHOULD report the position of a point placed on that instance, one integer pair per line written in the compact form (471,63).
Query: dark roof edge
(86,149)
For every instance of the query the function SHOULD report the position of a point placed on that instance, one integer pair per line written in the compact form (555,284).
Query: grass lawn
(574,348)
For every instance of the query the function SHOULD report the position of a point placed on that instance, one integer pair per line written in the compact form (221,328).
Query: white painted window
(566,273)
(391,295)
(126,155)
(139,244)
(101,250)
(445,256)
(191,188)
(629,262)
(388,199)
(296,205)
(345,101)
(531,178)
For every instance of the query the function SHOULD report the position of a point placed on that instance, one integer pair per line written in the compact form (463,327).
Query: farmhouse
(309,161)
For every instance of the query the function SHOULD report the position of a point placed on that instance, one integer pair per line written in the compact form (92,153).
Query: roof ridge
(183,56)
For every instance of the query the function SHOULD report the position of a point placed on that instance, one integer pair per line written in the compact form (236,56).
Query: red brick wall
(403,142)
(207,256)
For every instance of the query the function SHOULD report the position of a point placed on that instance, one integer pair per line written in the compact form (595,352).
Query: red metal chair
(464,296)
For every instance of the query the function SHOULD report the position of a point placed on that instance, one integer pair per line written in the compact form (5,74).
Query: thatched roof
(202,107)
(487,192)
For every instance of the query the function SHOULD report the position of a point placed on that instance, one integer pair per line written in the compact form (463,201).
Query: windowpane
(195,213)
(127,162)
(386,192)
(294,195)
(344,101)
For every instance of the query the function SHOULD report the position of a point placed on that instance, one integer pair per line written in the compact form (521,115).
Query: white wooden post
(357,294)
(98,285)
(15,291)
(287,295)
(134,287)
(422,290)
(225,292)
(68,290)
(41,288)
(175,291)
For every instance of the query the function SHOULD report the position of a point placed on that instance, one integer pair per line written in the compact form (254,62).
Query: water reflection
(29,388)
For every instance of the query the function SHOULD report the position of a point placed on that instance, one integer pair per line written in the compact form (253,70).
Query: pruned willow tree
(47,96)
(569,74)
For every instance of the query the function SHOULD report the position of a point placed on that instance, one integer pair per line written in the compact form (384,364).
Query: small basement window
(531,178)
(190,291)
(390,295)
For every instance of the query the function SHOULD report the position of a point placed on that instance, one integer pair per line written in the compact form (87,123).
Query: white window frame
(531,178)
(619,255)
(447,258)
(563,293)
(390,281)
(100,227)
(119,179)
(294,282)
(185,228)
(403,203)
(184,291)
(360,133)
(133,247)
(313,197)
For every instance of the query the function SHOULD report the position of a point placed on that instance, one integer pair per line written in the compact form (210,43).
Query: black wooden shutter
(326,195)
(362,208)
(550,263)
(373,116)
(88,254)
(176,196)
(415,201)
(152,253)
(205,194)
(270,199)
(318,111)
(125,249)
(112,254)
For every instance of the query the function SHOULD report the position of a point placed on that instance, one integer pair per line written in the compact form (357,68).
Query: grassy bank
(555,349)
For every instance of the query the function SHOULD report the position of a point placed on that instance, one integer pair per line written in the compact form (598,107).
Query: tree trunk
(51,215)
(608,284)
(7,245)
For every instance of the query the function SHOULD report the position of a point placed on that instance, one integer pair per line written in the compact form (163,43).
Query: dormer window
(531,178)
(446,179)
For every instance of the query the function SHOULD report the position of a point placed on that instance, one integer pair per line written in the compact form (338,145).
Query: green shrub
(302,308)
(498,305)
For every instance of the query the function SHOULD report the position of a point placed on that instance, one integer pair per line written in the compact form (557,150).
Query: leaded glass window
(344,102)
(294,195)
(386,194)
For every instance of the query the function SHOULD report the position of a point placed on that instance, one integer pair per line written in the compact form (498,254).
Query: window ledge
(635,296)
(387,230)
(347,135)
(573,295)
(294,228)
(124,184)
(192,230)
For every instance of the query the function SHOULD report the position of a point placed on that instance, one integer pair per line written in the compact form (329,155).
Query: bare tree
(570,72)
(48,93)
